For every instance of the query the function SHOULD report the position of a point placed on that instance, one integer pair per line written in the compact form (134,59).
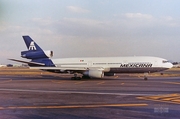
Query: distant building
(1,65)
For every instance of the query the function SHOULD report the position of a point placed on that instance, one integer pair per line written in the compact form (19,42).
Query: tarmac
(48,96)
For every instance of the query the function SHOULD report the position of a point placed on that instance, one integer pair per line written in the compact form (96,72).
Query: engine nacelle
(36,54)
(109,74)
(94,73)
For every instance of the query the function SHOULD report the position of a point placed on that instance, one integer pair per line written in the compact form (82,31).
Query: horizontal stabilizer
(31,63)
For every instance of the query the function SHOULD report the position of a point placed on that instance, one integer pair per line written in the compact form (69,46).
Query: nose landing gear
(145,76)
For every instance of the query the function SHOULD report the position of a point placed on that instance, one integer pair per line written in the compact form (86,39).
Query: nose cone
(169,65)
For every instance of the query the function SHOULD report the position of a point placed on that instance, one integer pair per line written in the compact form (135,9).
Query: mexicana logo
(136,65)
(32,46)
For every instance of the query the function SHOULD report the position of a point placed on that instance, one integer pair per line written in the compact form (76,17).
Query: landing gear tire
(72,78)
(85,77)
(145,78)
(78,78)
(75,78)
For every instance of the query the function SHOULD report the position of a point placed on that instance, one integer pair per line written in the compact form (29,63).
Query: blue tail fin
(34,51)
(38,56)
(31,45)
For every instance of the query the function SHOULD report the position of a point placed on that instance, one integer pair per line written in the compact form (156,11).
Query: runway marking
(70,92)
(168,98)
(178,83)
(131,84)
(116,76)
(73,106)
(5,80)
(102,82)
(141,77)
(46,103)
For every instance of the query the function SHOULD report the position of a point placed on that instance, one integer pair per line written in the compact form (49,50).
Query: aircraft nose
(169,65)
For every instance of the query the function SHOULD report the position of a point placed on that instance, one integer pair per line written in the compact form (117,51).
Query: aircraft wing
(61,68)
(42,66)
(31,63)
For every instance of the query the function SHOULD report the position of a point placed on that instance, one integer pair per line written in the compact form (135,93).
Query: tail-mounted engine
(36,54)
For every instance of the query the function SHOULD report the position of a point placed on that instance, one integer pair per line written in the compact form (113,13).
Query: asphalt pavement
(58,97)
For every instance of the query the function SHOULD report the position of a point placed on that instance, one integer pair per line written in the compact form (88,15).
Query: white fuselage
(136,64)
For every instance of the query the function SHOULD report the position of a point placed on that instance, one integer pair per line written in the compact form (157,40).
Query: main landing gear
(76,77)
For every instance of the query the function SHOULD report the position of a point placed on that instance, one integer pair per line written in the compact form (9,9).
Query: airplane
(90,67)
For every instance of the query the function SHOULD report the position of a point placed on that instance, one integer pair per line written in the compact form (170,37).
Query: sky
(91,28)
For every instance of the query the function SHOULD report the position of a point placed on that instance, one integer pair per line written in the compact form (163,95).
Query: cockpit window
(165,61)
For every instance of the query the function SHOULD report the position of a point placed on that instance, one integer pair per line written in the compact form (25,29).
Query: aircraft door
(90,63)
(155,63)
